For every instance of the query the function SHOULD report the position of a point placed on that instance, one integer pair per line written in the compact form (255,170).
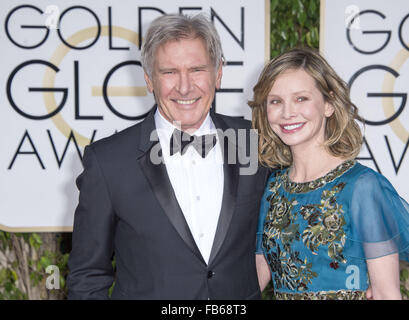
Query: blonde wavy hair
(343,137)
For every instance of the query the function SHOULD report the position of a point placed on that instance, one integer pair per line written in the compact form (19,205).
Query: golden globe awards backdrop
(70,74)
(367,43)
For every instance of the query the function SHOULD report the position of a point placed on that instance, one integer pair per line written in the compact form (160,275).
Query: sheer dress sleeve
(379,219)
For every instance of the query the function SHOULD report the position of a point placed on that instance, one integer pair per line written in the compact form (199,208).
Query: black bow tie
(180,141)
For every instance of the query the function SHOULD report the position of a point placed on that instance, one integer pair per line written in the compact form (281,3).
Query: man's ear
(219,74)
(148,82)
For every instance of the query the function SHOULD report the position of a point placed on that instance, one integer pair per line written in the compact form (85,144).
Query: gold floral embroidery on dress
(322,295)
(325,227)
(289,269)
(303,187)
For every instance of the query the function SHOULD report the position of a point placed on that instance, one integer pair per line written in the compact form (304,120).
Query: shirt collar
(166,128)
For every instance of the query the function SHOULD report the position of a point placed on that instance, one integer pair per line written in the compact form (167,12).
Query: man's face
(184,82)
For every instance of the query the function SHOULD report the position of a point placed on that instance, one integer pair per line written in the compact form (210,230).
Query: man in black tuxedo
(171,197)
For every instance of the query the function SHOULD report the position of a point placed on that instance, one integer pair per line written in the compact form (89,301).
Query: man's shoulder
(118,140)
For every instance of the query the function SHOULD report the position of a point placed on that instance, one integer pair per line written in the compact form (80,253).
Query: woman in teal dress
(329,227)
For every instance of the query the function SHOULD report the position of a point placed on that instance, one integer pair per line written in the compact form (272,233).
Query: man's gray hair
(176,27)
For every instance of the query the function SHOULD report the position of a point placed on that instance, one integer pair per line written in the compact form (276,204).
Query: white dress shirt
(196,181)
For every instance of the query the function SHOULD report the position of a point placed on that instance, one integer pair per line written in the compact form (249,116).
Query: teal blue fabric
(319,239)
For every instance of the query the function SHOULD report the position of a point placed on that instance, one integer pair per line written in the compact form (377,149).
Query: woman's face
(297,111)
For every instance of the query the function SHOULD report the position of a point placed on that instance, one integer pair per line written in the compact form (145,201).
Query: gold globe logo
(56,59)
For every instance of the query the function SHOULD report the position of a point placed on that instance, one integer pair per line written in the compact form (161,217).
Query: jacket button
(210,274)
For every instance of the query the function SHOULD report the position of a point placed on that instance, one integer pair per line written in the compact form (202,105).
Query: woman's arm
(263,271)
(384,278)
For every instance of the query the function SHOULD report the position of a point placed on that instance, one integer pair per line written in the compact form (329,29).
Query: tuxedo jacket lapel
(158,179)
(161,186)
(231,179)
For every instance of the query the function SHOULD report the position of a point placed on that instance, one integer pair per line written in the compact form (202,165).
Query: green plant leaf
(404,275)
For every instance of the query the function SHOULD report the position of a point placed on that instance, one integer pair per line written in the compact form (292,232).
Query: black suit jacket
(127,208)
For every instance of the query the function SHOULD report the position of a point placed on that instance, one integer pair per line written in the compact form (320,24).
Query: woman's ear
(329,107)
